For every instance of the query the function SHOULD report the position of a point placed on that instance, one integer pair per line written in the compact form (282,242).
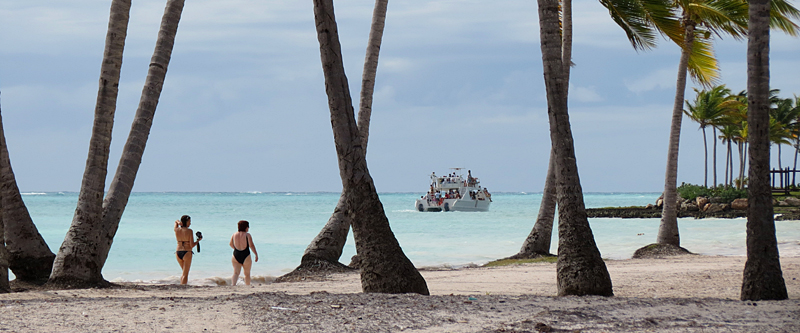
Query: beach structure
(455,193)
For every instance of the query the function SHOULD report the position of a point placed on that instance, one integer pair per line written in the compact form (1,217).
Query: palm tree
(384,266)
(726,135)
(690,24)
(538,241)
(99,232)
(76,265)
(785,115)
(29,257)
(708,109)
(4,287)
(762,277)
(580,269)
(120,189)
(326,248)
(796,137)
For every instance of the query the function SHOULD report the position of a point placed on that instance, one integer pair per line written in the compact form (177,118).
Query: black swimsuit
(242,255)
(181,254)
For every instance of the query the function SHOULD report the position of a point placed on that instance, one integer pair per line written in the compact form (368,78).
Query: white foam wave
(34,193)
(213,281)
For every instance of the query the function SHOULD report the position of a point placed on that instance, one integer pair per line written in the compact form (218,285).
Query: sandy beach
(682,294)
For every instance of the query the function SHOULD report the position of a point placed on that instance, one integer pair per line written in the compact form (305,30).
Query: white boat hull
(454,205)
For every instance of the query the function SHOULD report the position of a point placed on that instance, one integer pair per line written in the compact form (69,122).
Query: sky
(244,108)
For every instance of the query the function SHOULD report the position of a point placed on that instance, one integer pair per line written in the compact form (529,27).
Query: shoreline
(679,294)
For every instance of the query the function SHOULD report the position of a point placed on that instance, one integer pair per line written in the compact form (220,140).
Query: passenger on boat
(488,195)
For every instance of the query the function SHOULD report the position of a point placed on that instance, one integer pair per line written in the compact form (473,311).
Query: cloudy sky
(244,107)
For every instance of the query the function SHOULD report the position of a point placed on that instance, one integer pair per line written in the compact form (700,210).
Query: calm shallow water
(282,225)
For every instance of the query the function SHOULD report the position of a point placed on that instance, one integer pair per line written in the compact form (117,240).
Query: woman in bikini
(242,242)
(186,243)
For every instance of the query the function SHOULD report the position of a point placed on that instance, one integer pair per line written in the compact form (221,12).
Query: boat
(455,193)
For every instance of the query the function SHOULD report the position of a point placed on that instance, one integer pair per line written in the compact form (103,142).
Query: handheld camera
(199,237)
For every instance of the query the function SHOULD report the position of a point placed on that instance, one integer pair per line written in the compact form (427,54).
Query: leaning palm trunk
(4,286)
(29,257)
(77,264)
(122,184)
(668,229)
(580,269)
(538,241)
(329,243)
(762,278)
(384,266)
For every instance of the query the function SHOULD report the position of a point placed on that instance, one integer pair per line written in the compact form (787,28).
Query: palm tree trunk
(714,163)
(794,166)
(668,229)
(744,170)
(580,269)
(538,241)
(121,186)
(705,160)
(28,255)
(740,183)
(728,164)
(4,286)
(762,278)
(329,243)
(384,266)
(76,264)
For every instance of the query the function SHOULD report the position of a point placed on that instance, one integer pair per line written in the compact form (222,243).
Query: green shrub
(691,191)
(727,193)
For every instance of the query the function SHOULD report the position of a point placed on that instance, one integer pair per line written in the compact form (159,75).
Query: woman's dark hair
(243,225)
(185,219)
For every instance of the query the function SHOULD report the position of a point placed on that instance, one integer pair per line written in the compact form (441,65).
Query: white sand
(685,294)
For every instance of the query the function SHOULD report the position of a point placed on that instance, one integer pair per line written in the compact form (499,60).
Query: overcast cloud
(244,108)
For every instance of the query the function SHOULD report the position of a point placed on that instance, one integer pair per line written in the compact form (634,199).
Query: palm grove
(384,268)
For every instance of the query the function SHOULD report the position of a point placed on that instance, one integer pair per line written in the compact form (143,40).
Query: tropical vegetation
(726,113)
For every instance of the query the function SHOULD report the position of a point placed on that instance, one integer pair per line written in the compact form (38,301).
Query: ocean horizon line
(320,192)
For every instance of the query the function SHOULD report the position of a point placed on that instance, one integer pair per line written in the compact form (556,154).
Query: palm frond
(781,14)
(631,17)
(702,65)
(718,16)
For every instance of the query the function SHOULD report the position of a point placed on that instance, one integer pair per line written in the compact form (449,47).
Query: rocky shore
(700,207)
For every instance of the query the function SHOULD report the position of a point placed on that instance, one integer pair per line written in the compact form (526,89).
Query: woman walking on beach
(242,242)
(186,243)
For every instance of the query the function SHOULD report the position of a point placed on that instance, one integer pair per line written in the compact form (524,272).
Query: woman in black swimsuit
(241,258)
(186,243)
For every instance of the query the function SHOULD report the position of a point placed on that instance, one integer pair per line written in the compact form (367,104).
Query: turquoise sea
(282,225)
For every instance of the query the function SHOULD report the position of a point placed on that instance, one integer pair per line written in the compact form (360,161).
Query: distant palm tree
(709,109)
(786,116)
(762,276)
(796,137)
(727,134)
